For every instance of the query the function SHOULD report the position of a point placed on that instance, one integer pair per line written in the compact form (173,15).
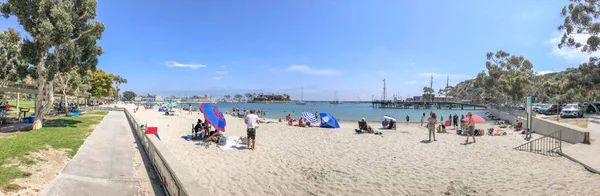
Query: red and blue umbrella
(213,116)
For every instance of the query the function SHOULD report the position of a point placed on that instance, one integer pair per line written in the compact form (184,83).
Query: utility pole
(383,97)
(446,90)
(431,86)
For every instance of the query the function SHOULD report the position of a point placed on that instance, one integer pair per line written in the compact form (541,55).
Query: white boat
(301,98)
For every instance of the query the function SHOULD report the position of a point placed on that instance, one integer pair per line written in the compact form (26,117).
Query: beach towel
(186,138)
(233,142)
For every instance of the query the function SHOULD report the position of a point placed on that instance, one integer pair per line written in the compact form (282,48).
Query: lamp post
(557,108)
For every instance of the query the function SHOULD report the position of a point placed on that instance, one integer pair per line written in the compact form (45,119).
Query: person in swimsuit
(431,122)
(470,127)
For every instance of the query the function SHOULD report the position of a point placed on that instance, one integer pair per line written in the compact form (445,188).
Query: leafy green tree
(101,84)
(118,80)
(62,35)
(129,95)
(581,29)
(12,65)
(428,93)
(507,76)
(238,97)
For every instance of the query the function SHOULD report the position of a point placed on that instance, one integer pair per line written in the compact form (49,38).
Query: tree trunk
(49,97)
(39,109)
(66,103)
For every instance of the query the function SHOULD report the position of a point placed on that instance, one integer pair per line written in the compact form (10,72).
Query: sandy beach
(317,161)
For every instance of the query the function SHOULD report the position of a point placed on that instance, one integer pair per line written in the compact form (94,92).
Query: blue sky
(225,47)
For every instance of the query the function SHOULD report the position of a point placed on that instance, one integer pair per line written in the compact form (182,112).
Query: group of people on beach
(251,120)
(432,122)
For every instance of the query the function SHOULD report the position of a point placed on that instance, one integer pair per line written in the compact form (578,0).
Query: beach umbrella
(213,116)
(477,119)
(389,118)
(171,105)
(310,117)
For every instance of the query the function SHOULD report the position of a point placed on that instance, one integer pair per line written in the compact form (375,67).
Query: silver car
(572,110)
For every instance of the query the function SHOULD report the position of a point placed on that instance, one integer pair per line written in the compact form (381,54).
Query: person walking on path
(252,121)
(471,128)
(431,122)
(407,119)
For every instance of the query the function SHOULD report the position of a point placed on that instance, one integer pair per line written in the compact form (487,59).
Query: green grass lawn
(59,132)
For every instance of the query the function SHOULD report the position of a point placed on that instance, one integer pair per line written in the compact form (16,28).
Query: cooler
(447,123)
(152,128)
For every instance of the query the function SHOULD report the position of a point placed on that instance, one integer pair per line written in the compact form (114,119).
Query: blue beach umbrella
(213,116)
(310,117)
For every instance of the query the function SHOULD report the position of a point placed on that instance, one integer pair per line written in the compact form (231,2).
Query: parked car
(540,107)
(552,110)
(572,110)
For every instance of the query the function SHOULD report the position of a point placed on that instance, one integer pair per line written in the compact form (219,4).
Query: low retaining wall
(570,134)
(175,179)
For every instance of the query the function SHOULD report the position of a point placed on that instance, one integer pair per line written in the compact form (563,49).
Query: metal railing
(549,145)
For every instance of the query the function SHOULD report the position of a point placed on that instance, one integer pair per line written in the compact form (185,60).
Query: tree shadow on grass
(61,123)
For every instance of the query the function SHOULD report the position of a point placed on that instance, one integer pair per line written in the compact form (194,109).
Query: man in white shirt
(252,121)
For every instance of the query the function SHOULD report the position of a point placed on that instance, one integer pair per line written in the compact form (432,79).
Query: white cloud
(383,72)
(571,54)
(311,71)
(412,82)
(218,78)
(444,75)
(222,72)
(539,73)
(177,64)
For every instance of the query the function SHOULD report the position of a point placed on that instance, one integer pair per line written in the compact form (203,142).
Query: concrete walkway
(588,153)
(108,163)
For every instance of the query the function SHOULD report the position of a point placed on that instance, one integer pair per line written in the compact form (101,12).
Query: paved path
(588,153)
(108,163)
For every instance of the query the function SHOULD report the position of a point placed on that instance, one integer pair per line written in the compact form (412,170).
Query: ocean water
(342,112)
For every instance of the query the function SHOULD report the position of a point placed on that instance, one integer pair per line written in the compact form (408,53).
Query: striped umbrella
(310,117)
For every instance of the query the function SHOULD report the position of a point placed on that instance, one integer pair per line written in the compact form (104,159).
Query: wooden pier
(427,105)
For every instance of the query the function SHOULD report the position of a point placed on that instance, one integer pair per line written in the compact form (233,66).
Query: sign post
(529,115)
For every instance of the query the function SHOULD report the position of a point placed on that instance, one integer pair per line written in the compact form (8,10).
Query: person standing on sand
(251,120)
(190,108)
(407,119)
(471,128)
(455,121)
(422,117)
(431,122)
